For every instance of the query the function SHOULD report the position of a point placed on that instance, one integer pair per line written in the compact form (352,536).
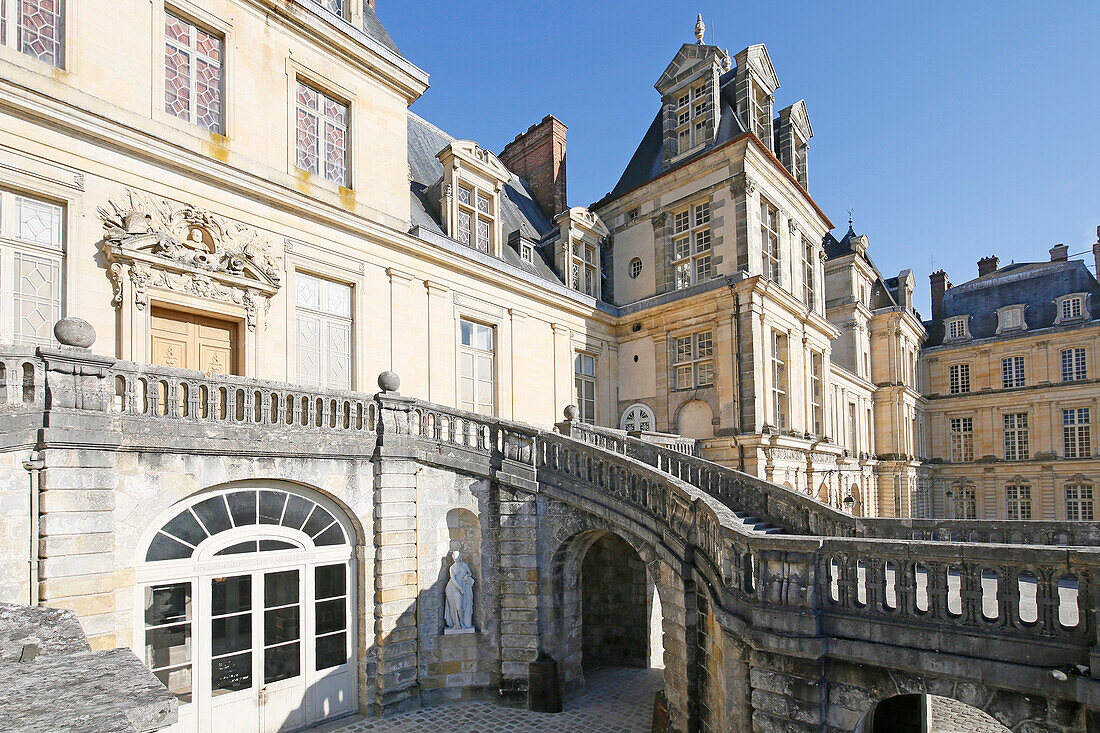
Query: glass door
(282,695)
(234,688)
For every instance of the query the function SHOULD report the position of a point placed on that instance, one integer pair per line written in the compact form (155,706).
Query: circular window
(635,267)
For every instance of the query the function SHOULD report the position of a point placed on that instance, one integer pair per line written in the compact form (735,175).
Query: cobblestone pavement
(951,716)
(617,701)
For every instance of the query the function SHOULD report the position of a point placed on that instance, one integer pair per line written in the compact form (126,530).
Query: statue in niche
(459,598)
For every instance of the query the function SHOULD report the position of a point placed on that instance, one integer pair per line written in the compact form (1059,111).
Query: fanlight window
(637,417)
(179,537)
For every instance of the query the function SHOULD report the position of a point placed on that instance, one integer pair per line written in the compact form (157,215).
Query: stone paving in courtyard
(617,701)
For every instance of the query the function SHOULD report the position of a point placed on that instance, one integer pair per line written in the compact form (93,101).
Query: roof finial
(850,219)
(700,29)
(727,64)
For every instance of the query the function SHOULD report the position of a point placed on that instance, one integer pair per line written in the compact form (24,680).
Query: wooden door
(193,341)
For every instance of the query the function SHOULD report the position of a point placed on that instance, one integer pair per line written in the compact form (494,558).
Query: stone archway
(923,713)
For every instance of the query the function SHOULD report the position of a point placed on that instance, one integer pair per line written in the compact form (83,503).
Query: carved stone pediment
(155,243)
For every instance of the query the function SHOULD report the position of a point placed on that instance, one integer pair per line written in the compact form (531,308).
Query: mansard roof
(1035,285)
(374,28)
(518,209)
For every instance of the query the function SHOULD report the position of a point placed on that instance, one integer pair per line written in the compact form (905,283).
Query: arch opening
(923,713)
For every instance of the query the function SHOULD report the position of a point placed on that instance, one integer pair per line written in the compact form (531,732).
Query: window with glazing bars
(192,73)
(1074,365)
(817,407)
(1012,372)
(585,270)
(584,377)
(475,217)
(1018,501)
(36,28)
(691,245)
(1079,506)
(956,328)
(1016,436)
(333,6)
(780,404)
(323,326)
(1071,308)
(962,439)
(769,241)
(1076,433)
(32,250)
(808,270)
(958,378)
(322,134)
(964,501)
(693,362)
(691,118)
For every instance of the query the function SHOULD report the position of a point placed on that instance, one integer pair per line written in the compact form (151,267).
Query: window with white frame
(32,250)
(817,394)
(962,439)
(1016,436)
(1011,318)
(193,73)
(477,368)
(1074,365)
(808,270)
(475,218)
(584,271)
(1018,500)
(956,328)
(958,378)
(584,378)
(1079,502)
(36,28)
(691,118)
(526,252)
(691,240)
(1012,372)
(693,362)
(780,399)
(801,163)
(321,134)
(964,500)
(324,325)
(769,241)
(1072,307)
(761,114)
(635,268)
(1076,433)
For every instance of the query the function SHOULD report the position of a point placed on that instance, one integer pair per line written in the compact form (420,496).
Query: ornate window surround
(185,257)
(468,163)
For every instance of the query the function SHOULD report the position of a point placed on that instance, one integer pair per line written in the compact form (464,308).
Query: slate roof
(374,28)
(884,293)
(519,212)
(1033,284)
(648,160)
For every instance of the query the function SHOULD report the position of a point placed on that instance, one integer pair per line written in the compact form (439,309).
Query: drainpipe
(34,465)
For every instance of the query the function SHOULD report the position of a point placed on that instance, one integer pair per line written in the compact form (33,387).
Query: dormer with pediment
(792,138)
(577,254)
(473,179)
(755,86)
(689,92)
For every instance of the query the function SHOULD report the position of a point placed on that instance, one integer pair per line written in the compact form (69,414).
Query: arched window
(637,417)
(963,499)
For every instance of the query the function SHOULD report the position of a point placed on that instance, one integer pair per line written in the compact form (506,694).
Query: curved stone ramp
(952,716)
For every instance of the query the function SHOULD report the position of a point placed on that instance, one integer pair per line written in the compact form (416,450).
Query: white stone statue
(459,601)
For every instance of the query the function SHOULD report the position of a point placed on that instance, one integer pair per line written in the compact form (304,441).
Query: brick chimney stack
(369,3)
(1096,252)
(538,157)
(940,285)
(987,265)
(1059,253)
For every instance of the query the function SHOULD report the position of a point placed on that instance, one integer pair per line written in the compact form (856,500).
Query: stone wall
(615,615)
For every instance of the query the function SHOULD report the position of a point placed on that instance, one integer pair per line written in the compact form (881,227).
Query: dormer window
(577,253)
(956,329)
(584,269)
(526,252)
(475,218)
(472,181)
(1010,318)
(1071,308)
(691,118)
(762,115)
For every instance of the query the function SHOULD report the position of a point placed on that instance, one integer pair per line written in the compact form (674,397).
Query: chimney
(940,285)
(538,157)
(1059,253)
(369,4)
(1096,252)
(987,265)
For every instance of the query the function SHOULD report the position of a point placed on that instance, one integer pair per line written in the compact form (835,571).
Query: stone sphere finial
(388,381)
(73,331)
(571,412)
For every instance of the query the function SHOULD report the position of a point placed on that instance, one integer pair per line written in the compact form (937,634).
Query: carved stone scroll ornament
(181,248)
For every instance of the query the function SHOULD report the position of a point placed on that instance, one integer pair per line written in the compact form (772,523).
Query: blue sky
(954,130)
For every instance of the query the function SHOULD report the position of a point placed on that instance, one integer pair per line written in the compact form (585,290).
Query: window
(476,214)
(762,115)
(1074,366)
(962,439)
(964,500)
(635,268)
(1071,308)
(637,417)
(585,380)
(694,360)
(769,240)
(1016,436)
(335,6)
(1018,501)
(1011,318)
(691,118)
(526,252)
(956,328)
(35,27)
(1079,507)
(192,73)
(584,270)
(477,391)
(32,248)
(801,163)
(817,410)
(852,427)
(1076,433)
(1012,372)
(780,404)
(958,378)
(323,325)
(691,255)
(322,134)
(168,636)
(808,274)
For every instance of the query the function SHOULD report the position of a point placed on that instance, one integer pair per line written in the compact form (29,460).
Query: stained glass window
(39,28)
(322,134)
(192,73)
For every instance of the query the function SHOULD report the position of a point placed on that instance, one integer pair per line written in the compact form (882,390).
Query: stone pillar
(396,583)
(515,534)
(679,625)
